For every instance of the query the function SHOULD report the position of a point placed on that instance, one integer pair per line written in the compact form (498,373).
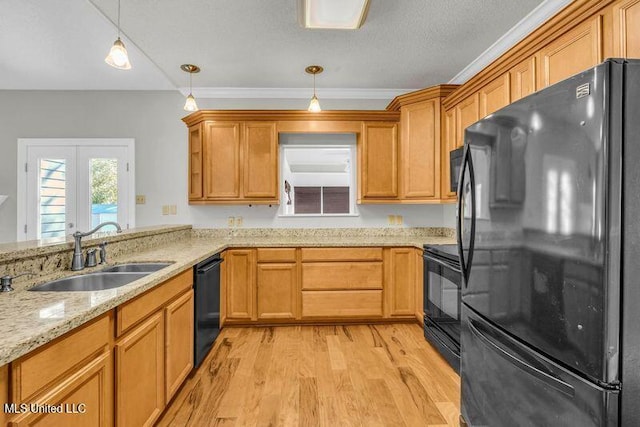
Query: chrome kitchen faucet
(77,263)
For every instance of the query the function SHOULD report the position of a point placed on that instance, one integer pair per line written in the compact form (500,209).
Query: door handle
(540,375)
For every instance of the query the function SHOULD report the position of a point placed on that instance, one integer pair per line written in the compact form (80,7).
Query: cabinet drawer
(342,275)
(341,254)
(138,309)
(276,255)
(40,368)
(342,303)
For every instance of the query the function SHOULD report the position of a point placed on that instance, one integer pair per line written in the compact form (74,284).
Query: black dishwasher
(207,306)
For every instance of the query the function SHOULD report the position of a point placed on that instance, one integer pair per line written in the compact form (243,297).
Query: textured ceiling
(61,44)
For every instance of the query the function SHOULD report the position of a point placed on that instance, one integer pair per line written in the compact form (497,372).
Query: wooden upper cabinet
(449,143)
(379,161)
(467,113)
(260,152)
(221,160)
(420,150)
(523,79)
(240,269)
(195,162)
(626,29)
(495,95)
(575,51)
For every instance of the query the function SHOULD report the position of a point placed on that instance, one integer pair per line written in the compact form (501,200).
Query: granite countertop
(32,319)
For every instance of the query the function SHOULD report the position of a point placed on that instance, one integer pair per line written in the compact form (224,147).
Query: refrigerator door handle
(465,266)
(540,375)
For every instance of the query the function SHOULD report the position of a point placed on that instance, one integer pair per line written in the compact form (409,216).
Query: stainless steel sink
(90,282)
(138,267)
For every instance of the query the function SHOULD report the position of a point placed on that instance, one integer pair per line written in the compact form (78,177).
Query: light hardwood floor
(360,375)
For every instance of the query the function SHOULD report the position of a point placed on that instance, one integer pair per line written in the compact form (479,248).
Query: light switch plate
(173,209)
(141,199)
(231,221)
(165,209)
(399,220)
(391,219)
(239,221)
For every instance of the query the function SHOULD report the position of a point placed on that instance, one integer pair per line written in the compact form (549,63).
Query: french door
(74,185)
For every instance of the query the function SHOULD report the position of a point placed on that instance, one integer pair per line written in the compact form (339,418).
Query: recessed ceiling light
(332,14)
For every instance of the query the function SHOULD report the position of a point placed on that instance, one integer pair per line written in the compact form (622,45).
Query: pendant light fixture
(190,103)
(118,57)
(314,105)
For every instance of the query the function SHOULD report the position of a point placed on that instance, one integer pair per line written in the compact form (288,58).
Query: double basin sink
(109,278)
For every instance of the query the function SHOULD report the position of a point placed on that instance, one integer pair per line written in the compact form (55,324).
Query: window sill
(316,215)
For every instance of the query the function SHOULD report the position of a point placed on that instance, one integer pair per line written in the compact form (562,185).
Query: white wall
(153,120)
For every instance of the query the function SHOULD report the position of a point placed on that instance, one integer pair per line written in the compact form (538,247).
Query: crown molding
(339,116)
(440,91)
(291,93)
(524,27)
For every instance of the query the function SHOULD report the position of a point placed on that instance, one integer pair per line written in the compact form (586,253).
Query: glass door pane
(52,219)
(50,192)
(103,186)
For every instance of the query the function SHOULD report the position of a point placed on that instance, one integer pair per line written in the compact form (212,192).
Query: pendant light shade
(190,103)
(314,104)
(118,56)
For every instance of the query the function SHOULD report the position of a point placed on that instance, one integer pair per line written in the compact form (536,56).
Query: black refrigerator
(549,239)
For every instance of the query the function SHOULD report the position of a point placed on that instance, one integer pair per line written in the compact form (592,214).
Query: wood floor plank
(352,376)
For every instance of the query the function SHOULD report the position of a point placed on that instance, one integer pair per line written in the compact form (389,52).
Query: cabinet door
(240,292)
(575,51)
(140,374)
(400,291)
(626,29)
(4,392)
(523,79)
(467,113)
(379,160)
(277,291)
(449,143)
(221,166)
(195,162)
(178,322)
(420,150)
(260,152)
(495,95)
(91,386)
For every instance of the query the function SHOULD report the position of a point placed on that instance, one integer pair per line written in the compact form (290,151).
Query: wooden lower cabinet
(277,291)
(140,385)
(240,265)
(4,392)
(178,340)
(401,293)
(342,304)
(86,395)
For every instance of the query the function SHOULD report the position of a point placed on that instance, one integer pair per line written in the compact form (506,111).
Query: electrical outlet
(399,219)
(165,209)
(391,219)
(231,221)
(141,199)
(173,209)
(239,221)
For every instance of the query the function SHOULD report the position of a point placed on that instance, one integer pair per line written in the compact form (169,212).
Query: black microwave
(455,164)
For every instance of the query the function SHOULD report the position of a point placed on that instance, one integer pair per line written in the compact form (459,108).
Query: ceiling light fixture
(332,14)
(314,105)
(118,57)
(190,103)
